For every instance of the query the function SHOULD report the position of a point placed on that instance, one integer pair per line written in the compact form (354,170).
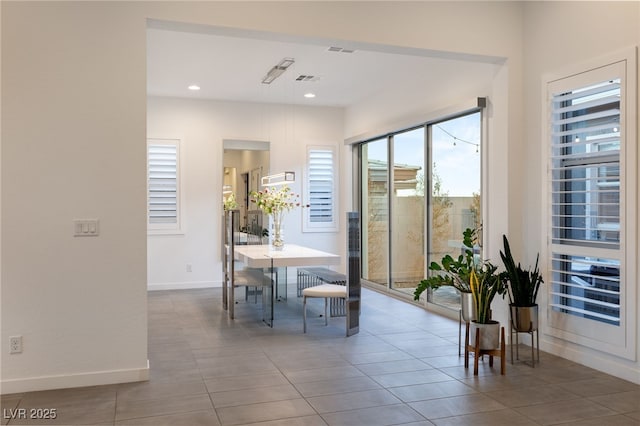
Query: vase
(277,241)
(468,307)
(489,334)
(524,318)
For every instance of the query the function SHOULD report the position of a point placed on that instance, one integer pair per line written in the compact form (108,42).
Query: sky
(454,153)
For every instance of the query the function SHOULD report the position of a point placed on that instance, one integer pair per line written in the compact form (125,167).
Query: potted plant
(523,285)
(485,284)
(478,283)
(455,273)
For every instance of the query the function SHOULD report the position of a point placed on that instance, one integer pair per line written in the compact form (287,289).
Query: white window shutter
(585,158)
(163,188)
(590,282)
(321,189)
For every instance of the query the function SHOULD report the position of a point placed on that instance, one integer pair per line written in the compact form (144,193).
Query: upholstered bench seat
(325,291)
(309,277)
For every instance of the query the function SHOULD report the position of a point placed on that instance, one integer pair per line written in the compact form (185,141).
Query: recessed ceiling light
(194,87)
(309,95)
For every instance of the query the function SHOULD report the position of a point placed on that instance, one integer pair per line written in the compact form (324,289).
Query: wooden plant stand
(475,348)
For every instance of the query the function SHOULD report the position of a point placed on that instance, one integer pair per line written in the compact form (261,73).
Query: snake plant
(523,283)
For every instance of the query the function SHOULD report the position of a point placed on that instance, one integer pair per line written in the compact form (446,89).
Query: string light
(455,138)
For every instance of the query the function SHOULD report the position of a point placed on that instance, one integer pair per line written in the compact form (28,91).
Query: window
(419,189)
(586,201)
(588,138)
(163,186)
(320,194)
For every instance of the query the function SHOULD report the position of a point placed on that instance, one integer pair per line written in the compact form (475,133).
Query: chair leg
(304,314)
(326,320)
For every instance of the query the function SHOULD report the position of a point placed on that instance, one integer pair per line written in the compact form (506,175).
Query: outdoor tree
(441,205)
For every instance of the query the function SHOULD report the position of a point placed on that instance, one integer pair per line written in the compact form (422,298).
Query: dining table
(274,263)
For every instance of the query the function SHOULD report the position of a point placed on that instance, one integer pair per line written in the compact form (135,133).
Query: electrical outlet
(188,267)
(15,344)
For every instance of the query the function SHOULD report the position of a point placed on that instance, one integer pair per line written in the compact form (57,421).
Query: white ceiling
(230,65)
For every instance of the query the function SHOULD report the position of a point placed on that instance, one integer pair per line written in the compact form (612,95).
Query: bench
(311,277)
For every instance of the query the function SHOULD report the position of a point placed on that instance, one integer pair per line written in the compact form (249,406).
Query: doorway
(244,164)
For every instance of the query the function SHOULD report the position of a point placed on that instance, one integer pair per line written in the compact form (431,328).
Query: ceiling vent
(303,77)
(340,49)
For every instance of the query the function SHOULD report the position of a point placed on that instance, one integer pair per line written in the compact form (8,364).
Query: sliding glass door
(420,189)
(407,210)
(455,192)
(375,211)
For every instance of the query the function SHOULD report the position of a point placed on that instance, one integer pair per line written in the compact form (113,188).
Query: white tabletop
(261,256)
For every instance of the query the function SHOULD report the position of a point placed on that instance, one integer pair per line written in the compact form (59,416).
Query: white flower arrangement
(230,202)
(274,201)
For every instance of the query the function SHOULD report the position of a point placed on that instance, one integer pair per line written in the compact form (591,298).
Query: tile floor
(403,368)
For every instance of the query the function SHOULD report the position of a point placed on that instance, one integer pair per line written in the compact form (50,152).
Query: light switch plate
(86,228)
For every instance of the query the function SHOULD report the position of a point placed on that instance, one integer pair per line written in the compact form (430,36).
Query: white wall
(202,126)
(73,77)
(73,107)
(574,33)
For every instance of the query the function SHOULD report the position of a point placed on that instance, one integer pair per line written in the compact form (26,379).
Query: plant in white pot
(523,285)
(485,284)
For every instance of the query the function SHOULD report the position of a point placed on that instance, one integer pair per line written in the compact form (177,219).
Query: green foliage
(485,284)
(523,283)
(450,271)
(468,275)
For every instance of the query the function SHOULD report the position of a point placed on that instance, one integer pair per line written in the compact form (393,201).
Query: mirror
(244,164)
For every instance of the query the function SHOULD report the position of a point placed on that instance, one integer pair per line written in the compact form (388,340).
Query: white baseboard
(606,364)
(184,285)
(94,378)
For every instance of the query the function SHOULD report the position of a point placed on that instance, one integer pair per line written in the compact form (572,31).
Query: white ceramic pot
(489,334)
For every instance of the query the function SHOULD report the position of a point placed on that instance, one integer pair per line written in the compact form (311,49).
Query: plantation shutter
(321,186)
(320,194)
(585,200)
(162,181)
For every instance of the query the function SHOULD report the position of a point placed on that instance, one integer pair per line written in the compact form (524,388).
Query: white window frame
(307,224)
(176,228)
(617,340)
